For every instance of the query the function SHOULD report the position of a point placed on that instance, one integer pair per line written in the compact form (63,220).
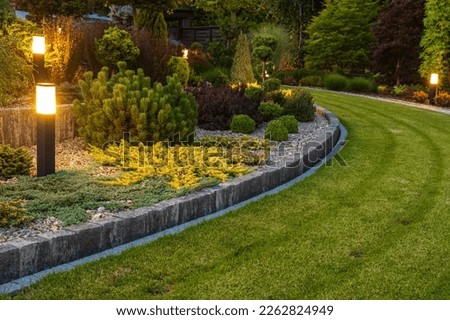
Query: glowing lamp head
(434,78)
(185,54)
(38,46)
(45,98)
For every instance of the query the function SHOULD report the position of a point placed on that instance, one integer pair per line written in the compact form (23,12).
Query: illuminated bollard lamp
(434,81)
(38,49)
(46,113)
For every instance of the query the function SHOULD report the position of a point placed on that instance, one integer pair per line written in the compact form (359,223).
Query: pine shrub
(179,66)
(218,105)
(290,123)
(276,131)
(270,110)
(242,124)
(242,71)
(14,162)
(272,84)
(300,105)
(335,82)
(126,102)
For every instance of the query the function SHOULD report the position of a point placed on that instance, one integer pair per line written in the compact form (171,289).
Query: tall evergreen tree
(436,39)
(242,71)
(397,49)
(341,37)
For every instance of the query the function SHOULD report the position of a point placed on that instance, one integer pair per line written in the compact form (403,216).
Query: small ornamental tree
(436,39)
(242,71)
(264,46)
(396,52)
(116,45)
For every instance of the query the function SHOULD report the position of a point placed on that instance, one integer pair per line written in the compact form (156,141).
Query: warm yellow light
(434,78)
(45,98)
(185,54)
(38,46)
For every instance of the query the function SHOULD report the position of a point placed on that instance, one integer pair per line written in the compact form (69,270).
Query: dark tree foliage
(397,49)
(45,8)
(218,105)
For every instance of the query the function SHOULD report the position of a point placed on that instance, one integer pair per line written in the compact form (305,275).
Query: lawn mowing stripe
(296,244)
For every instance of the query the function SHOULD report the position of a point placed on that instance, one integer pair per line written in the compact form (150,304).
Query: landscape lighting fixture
(46,113)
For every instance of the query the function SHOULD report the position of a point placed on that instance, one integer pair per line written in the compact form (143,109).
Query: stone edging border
(23,257)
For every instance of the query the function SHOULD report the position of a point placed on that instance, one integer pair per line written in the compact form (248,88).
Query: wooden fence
(204,35)
(18,126)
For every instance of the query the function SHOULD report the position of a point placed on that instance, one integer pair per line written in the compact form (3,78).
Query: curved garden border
(20,258)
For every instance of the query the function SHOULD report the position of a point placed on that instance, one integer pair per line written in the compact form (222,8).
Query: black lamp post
(434,81)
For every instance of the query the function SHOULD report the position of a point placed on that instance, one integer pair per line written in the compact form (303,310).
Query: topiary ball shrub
(360,85)
(276,131)
(14,162)
(270,110)
(179,66)
(272,84)
(301,106)
(335,82)
(242,124)
(290,123)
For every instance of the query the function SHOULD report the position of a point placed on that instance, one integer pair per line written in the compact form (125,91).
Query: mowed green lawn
(378,228)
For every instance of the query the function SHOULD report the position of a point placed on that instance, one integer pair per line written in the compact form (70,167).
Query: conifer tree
(242,71)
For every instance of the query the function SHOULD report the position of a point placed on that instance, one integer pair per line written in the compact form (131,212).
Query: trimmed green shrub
(222,56)
(272,84)
(14,162)
(254,93)
(335,82)
(126,102)
(242,124)
(216,77)
(360,85)
(116,45)
(301,106)
(197,47)
(303,73)
(179,66)
(13,214)
(242,70)
(290,123)
(311,81)
(270,110)
(276,131)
